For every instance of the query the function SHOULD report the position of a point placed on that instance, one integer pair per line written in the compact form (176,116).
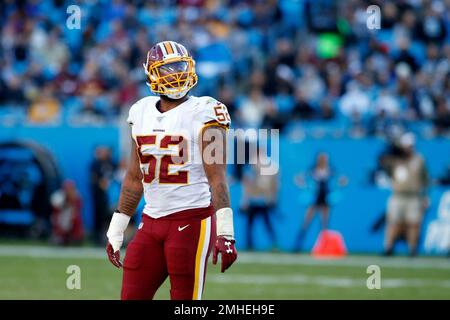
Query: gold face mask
(172,76)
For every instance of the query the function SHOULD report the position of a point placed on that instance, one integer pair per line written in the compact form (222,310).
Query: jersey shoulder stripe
(215,123)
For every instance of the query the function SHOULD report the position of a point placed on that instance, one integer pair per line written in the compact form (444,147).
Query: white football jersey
(168,147)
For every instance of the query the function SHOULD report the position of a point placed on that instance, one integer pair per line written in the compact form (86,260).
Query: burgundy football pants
(175,248)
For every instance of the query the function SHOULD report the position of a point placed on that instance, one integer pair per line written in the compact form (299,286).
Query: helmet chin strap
(178,95)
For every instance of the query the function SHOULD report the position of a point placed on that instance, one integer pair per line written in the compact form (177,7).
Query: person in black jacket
(102,173)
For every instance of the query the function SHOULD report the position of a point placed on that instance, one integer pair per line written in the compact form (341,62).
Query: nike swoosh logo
(182,228)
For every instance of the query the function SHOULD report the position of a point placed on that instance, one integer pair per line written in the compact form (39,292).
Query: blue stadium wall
(355,208)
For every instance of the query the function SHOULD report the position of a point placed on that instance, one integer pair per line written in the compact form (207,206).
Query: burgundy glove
(114,257)
(228,251)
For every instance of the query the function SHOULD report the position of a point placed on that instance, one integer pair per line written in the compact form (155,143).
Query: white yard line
(51,252)
(244,258)
(338,282)
(351,261)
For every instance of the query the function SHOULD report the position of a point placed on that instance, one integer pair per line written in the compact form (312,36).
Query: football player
(187,204)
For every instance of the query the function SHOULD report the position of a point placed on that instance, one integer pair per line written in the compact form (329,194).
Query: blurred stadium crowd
(285,64)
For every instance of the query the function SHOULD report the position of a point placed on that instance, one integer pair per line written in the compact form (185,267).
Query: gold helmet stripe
(163,49)
(174,47)
(168,47)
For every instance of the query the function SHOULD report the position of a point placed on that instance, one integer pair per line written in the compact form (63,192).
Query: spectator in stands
(253,109)
(89,113)
(432,27)
(302,109)
(442,118)
(67,225)
(12,92)
(326,109)
(102,173)
(45,108)
(312,85)
(355,102)
(406,206)
(52,52)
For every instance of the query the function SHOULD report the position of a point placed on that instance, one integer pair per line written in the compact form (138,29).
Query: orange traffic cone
(329,244)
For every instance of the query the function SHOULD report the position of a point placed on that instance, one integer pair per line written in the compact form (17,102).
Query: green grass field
(38,272)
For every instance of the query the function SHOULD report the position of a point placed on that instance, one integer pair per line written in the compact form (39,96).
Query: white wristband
(224,223)
(117,227)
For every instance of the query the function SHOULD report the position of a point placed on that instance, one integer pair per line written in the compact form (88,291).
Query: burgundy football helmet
(170,70)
